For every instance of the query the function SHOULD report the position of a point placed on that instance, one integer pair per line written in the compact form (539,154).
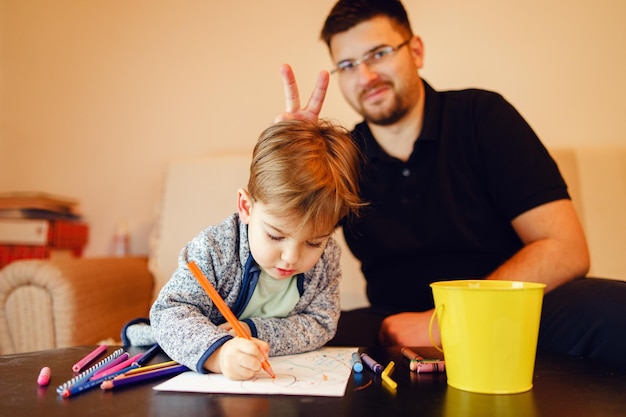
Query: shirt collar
(430,127)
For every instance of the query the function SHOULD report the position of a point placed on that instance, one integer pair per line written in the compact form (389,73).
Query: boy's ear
(244,205)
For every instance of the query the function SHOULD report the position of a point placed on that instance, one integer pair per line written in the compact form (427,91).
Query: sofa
(58,303)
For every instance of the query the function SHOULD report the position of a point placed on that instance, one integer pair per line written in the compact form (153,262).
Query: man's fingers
(292,97)
(319,93)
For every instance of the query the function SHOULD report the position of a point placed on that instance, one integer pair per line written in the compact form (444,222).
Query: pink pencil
(78,366)
(124,356)
(119,366)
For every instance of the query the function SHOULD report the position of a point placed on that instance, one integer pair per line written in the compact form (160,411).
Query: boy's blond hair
(308,171)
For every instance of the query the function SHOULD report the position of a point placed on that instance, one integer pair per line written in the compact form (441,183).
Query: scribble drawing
(305,371)
(322,372)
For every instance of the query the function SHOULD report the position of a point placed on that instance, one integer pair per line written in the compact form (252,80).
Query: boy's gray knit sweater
(184,319)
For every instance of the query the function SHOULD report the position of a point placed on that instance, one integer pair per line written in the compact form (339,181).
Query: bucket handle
(430,328)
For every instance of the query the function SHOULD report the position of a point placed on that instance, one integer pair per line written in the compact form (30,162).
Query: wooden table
(563,386)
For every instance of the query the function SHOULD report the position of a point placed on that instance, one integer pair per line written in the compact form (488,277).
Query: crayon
(410,355)
(357,365)
(371,363)
(427,366)
(386,376)
(44,377)
(420,365)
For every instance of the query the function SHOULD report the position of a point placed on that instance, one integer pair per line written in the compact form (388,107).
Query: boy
(273,262)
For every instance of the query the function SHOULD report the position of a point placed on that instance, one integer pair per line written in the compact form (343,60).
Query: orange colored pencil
(223,308)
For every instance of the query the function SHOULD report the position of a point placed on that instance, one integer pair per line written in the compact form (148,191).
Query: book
(64,234)
(24,231)
(40,201)
(25,213)
(10,253)
(35,225)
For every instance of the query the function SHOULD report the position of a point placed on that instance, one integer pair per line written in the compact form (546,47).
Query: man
(459,186)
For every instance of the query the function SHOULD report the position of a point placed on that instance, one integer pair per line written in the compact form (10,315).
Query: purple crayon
(371,363)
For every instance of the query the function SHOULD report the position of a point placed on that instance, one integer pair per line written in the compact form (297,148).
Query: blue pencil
(77,389)
(149,354)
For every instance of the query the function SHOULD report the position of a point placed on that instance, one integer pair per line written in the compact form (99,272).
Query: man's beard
(387,116)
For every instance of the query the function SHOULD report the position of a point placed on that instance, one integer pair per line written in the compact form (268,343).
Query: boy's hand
(226,326)
(292,97)
(239,358)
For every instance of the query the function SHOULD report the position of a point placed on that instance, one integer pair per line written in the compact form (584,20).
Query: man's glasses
(370,58)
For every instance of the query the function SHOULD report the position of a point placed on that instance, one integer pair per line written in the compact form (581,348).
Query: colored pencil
(143,369)
(223,308)
(124,356)
(85,375)
(141,377)
(81,364)
(77,389)
(117,367)
(149,354)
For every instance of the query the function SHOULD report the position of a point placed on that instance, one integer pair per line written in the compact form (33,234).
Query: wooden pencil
(223,308)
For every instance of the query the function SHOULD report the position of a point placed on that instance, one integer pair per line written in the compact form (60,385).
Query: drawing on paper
(296,372)
(322,372)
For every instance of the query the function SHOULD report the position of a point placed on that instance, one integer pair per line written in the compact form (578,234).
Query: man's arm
(555,251)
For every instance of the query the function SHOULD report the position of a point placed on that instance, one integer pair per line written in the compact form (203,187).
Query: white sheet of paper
(323,372)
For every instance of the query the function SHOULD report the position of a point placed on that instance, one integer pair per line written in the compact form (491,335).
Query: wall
(96,96)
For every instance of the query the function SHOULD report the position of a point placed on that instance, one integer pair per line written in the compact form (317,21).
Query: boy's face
(276,243)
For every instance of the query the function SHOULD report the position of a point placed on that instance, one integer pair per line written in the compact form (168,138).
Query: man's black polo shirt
(446,212)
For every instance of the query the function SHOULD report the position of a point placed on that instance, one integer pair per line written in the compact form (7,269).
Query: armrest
(48,304)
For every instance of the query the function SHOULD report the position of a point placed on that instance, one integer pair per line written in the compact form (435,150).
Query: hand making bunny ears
(293,111)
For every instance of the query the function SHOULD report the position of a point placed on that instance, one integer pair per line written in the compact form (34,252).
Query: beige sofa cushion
(197,193)
(596,177)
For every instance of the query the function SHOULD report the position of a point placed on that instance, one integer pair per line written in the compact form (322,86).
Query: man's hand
(239,358)
(409,329)
(293,111)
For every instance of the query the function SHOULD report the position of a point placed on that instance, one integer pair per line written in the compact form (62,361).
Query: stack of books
(40,225)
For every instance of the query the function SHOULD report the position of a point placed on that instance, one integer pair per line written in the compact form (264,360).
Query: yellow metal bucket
(489,333)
